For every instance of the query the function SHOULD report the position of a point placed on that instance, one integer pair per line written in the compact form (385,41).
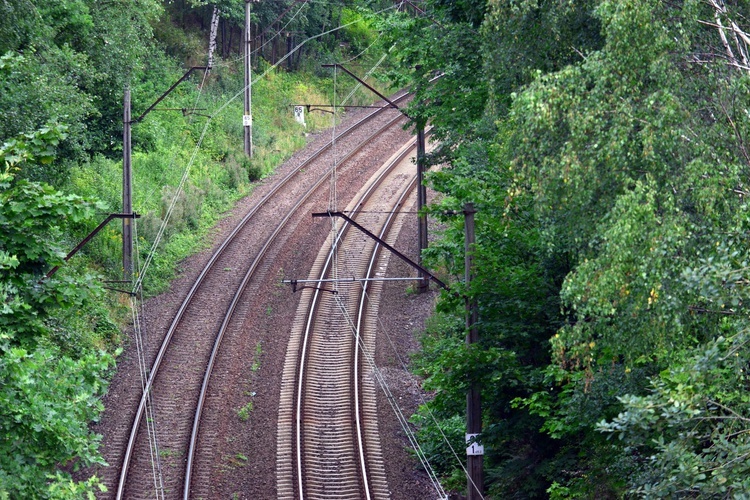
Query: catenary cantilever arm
(88,238)
(386,245)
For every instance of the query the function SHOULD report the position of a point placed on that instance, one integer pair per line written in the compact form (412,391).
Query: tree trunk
(223,38)
(212,36)
(289,57)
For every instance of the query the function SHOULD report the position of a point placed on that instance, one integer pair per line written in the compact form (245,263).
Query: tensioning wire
(199,143)
(403,421)
(151,430)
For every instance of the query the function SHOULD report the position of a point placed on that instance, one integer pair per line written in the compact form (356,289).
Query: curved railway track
(192,342)
(328,436)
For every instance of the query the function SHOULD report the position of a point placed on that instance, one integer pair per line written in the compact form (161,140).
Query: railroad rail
(181,370)
(328,437)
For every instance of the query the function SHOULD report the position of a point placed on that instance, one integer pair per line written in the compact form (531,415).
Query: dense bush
(603,145)
(64,65)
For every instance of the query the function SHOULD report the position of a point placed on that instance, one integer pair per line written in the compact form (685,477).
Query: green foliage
(31,218)
(633,276)
(244,411)
(166,142)
(32,95)
(360,30)
(602,144)
(67,61)
(29,148)
(693,425)
(434,447)
(51,387)
(527,38)
(455,103)
(604,165)
(46,402)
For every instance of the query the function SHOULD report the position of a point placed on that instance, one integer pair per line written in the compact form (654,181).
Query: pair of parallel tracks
(328,438)
(190,357)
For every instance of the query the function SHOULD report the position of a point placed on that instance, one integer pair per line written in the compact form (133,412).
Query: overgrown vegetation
(602,141)
(604,145)
(64,65)
(244,411)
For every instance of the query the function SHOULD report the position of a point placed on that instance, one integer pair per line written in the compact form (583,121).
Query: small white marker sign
(472,447)
(299,114)
(247,120)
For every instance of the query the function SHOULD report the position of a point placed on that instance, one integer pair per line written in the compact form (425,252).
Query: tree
(604,140)
(68,61)
(49,391)
(633,161)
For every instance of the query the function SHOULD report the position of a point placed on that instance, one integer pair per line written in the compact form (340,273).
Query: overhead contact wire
(426,405)
(391,399)
(151,430)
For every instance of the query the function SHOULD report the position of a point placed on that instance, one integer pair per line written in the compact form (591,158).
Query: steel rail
(311,312)
(208,267)
(361,311)
(236,298)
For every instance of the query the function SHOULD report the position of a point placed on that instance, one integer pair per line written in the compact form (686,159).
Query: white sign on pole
(247,120)
(473,448)
(299,115)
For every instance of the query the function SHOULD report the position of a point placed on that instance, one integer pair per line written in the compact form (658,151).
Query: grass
(256,359)
(231,462)
(219,175)
(165,453)
(244,412)
(166,143)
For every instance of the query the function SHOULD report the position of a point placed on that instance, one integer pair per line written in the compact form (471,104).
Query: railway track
(180,375)
(328,444)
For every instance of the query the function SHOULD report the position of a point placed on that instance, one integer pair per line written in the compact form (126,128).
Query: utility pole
(127,192)
(421,202)
(474,451)
(247,118)
(127,173)
(421,189)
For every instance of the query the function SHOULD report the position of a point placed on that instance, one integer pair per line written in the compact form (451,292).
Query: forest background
(603,143)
